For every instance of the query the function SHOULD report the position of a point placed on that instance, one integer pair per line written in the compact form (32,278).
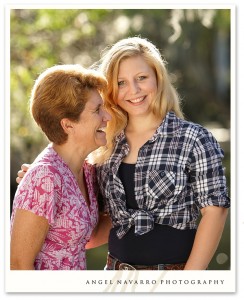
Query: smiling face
(137,85)
(89,131)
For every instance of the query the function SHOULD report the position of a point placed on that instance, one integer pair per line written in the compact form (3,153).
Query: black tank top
(163,244)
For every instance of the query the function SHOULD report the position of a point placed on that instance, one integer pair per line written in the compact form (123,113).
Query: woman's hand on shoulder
(21,173)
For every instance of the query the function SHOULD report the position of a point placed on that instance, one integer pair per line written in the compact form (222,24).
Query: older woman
(55,207)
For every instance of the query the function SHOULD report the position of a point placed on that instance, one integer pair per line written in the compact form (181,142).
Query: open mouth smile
(137,100)
(101,129)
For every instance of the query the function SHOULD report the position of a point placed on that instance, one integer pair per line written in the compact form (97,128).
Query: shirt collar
(120,136)
(168,127)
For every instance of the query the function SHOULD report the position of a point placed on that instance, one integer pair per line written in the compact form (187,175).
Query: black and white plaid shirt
(178,172)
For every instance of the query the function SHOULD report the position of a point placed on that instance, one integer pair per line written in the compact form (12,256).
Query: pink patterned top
(49,189)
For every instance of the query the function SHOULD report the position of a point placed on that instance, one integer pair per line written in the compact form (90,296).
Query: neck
(73,158)
(138,124)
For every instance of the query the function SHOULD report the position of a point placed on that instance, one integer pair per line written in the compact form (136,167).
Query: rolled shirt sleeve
(207,174)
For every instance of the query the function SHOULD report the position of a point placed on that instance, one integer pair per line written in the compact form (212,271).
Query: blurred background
(194,42)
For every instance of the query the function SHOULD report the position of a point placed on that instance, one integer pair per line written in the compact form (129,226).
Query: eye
(121,83)
(142,77)
(97,110)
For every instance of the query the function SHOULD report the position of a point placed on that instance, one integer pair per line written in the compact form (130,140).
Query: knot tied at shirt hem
(143,221)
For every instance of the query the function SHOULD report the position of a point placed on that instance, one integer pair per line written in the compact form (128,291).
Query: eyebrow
(98,105)
(122,77)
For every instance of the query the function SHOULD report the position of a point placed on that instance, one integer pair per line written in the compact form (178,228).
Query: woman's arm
(207,237)
(28,234)
(100,233)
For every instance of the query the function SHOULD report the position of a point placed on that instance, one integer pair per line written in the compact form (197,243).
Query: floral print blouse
(49,189)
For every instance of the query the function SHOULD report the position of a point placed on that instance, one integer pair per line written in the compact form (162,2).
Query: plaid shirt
(178,172)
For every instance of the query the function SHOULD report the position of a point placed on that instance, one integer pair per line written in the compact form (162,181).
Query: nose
(106,116)
(134,87)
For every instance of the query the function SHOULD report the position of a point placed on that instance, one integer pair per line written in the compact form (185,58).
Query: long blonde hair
(166,99)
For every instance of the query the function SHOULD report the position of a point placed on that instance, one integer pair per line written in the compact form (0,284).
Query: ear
(67,125)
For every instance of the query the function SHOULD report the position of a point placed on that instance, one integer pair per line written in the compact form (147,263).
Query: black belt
(114,264)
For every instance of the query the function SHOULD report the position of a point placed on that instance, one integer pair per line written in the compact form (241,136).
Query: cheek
(120,98)
(153,87)
(120,94)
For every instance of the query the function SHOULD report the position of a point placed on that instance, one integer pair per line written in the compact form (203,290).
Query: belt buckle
(124,266)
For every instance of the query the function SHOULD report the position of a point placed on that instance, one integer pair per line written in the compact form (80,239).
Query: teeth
(101,129)
(136,100)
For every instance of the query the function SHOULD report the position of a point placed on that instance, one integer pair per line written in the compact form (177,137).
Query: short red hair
(62,92)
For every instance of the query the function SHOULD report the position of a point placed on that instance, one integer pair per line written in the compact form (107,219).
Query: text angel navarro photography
(156,282)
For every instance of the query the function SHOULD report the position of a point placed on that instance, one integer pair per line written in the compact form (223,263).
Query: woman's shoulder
(196,134)
(202,138)
(49,162)
(42,170)
(40,175)
(200,131)
(173,123)
(194,128)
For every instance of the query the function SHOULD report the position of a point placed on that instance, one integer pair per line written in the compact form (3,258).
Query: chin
(101,143)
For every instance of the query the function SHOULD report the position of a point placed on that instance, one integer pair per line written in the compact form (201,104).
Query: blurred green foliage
(195,42)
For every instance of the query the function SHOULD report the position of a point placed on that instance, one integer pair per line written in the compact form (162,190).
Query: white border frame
(161,281)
